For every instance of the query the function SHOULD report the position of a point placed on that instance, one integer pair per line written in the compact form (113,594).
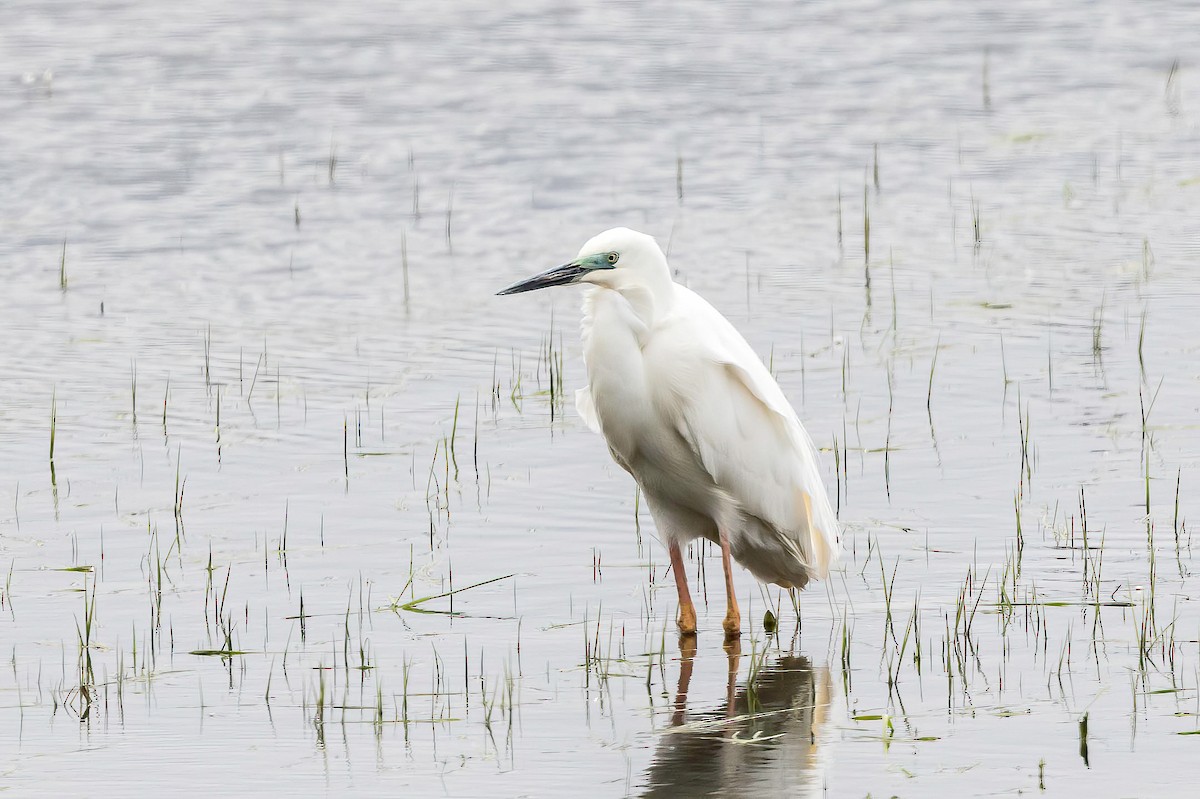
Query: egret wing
(739,424)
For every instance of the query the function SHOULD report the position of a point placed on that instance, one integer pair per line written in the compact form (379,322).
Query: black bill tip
(558,276)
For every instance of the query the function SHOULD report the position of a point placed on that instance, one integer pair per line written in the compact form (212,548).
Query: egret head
(615,259)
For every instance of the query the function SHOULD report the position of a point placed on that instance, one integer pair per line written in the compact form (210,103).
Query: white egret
(691,412)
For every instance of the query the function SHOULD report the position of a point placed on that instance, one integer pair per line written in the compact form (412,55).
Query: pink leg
(687,611)
(733,616)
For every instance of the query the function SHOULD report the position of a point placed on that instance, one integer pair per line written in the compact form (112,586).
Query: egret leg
(687,611)
(733,616)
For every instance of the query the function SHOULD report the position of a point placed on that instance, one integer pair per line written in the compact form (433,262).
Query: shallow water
(285,401)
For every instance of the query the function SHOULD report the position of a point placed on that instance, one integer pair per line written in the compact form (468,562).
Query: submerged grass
(414,605)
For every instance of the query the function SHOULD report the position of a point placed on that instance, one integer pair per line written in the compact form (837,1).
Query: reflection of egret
(761,741)
(691,412)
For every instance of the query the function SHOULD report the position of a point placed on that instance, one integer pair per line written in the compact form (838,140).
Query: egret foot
(687,620)
(732,625)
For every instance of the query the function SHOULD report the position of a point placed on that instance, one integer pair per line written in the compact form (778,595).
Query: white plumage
(692,413)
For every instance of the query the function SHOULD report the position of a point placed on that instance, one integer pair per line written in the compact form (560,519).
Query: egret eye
(612,257)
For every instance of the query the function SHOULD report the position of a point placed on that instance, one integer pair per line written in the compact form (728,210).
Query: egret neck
(647,287)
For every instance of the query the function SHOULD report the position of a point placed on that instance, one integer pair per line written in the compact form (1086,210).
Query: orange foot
(687,620)
(733,626)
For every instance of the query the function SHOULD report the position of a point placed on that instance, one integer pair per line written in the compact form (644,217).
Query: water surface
(249,256)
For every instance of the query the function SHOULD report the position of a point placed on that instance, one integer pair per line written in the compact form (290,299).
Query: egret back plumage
(692,413)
